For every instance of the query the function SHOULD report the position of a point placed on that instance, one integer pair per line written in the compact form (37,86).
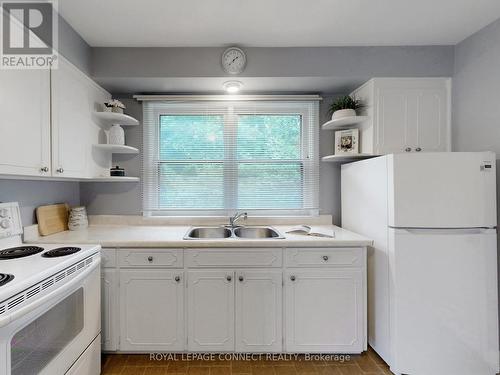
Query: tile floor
(368,363)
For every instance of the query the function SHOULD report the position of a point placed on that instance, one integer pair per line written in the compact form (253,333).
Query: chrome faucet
(236,217)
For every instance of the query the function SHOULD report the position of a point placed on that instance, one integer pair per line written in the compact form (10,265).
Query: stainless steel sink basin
(208,232)
(256,232)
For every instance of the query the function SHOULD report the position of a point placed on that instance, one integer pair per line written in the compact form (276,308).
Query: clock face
(233,60)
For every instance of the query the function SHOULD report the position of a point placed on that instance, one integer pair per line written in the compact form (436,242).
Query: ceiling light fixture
(232,87)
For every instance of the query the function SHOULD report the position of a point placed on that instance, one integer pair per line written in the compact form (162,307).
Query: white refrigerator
(432,272)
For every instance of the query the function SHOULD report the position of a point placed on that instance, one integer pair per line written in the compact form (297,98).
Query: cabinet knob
(229,278)
(292,278)
(44,169)
(241,278)
(408,149)
(59,170)
(177,278)
(150,258)
(418,149)
(325,258)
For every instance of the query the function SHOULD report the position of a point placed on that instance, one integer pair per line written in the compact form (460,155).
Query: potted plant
(344,106)
(114,105)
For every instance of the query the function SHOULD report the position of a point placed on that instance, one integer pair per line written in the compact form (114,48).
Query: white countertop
(172,236)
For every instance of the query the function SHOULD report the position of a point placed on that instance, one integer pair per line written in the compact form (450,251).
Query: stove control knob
(5,223)
(4,212)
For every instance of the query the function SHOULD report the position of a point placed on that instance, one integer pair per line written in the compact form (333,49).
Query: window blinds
(216,157)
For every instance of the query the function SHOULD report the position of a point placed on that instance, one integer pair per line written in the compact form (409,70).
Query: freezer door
(444,302)
(442,190)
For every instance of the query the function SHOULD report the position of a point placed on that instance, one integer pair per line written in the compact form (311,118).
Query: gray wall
(73,47)
(31,194)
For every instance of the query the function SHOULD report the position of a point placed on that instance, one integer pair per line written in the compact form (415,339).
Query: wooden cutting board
(52,219)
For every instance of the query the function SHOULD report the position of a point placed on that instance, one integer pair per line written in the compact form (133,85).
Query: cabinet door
(151,310)
(75,98)
(211,310)
(393,133)
(25,122)
(324,311)
(432,120)
(412,115)
(109,309)
(258,311)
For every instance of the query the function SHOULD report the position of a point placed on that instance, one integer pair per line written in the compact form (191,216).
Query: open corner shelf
(112,179)
(346,158)
(343,122)
(111,118)
(117,149)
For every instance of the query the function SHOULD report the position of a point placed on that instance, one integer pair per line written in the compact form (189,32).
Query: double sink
(241,232)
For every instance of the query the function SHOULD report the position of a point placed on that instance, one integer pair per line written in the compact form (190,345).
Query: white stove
(49,304)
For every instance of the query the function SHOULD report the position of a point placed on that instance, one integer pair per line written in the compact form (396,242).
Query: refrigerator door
(442,190)
(444,301)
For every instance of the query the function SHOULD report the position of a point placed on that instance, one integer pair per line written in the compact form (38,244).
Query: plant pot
(117,110)
(116,135)
(107,109)
(341,113)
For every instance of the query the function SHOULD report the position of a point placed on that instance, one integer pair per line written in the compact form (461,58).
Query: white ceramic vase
(116,135)
(78,218)
(341,113)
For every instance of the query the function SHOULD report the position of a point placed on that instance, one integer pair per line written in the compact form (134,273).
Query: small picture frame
(347,142)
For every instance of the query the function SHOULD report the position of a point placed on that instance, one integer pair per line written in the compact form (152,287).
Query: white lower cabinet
(316,302)
(151,310)
(109,309)
(325,310)
(258,311)
(210,310)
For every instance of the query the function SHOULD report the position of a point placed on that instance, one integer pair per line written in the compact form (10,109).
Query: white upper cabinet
(75,97)
(405,115)
(25,122)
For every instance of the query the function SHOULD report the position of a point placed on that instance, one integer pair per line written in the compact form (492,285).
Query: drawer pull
(150,258)
(292,278)
(177,278)
(241,278)
(229,278)
(325,258)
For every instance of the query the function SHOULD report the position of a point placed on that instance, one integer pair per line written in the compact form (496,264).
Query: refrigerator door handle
(447,230)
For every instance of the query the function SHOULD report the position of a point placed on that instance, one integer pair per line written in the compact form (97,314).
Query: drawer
(108,258)
(240,257)
(154,258)
(325,257)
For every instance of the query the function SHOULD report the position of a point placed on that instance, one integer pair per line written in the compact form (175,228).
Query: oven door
(50,339)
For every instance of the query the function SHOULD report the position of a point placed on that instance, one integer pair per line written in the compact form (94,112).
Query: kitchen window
(213,158)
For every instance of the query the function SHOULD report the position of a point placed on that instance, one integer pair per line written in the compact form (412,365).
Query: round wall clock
(233,60)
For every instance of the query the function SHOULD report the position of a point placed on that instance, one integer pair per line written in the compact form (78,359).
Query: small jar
(78,218)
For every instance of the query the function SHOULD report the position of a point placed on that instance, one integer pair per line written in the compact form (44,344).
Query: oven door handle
(54,294)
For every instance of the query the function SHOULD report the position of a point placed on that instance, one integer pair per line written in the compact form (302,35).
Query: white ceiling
(276,23)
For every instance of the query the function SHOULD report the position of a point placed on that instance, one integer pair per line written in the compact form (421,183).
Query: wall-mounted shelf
(112,179)
(71,179)
(346,158)
(343,122)
(117,149)
(111,118)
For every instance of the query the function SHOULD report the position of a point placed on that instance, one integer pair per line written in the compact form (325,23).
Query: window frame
(309,150)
